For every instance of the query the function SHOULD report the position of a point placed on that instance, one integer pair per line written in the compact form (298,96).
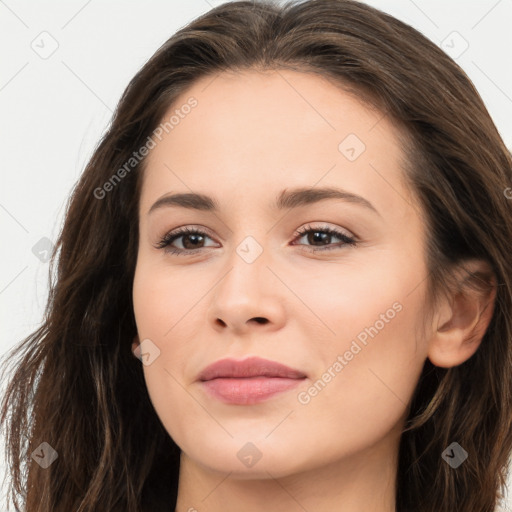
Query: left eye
(324,233)
(192,238)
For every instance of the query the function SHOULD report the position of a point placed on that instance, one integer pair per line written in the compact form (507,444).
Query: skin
(251,136)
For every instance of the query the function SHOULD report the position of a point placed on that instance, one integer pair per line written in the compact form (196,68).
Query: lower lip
(250,390)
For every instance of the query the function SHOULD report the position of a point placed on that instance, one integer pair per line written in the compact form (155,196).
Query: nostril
(260,320)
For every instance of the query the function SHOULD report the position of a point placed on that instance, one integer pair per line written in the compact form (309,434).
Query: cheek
(158,308)
(378,298)
(367,349)
(162,297)
(370,367)
(167,308)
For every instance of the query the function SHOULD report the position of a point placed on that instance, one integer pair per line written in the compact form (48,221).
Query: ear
(135,344)
(463,317)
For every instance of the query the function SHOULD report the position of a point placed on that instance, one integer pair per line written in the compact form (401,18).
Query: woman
(298,223)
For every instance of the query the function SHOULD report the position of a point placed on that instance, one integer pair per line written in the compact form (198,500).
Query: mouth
(249,381)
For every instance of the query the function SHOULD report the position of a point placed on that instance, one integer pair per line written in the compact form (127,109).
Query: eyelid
(325,227)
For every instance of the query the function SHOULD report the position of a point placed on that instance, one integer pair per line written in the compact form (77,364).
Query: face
(329,284)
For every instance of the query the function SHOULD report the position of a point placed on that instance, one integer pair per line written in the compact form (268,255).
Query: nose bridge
(247,269)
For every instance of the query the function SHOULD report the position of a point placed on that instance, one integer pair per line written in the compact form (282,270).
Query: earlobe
(463,318)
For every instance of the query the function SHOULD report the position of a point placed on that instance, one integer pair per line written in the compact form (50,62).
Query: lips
(249,381)
(251,367)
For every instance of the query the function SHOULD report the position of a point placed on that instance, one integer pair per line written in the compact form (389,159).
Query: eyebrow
(287,199)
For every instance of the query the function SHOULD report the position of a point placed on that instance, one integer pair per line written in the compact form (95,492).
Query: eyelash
(168,238)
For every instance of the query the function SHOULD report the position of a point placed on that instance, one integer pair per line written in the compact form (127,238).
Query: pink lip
(249,381)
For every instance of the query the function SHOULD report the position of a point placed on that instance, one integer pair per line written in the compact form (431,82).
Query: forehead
(251,131)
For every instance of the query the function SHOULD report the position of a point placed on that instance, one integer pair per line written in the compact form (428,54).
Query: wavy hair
(75,383)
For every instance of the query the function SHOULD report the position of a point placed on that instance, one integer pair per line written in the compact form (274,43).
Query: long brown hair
(76,384)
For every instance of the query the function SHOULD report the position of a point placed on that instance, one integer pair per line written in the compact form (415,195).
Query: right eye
(191,237)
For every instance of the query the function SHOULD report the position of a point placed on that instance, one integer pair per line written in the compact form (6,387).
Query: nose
(247,298)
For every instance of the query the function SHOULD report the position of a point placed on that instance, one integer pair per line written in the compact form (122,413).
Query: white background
(54,109)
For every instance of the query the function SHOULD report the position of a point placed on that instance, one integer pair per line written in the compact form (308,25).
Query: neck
(363,481)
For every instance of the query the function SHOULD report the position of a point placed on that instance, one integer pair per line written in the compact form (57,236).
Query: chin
(247,459)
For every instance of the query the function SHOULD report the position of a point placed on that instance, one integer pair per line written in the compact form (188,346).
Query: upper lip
(250,367)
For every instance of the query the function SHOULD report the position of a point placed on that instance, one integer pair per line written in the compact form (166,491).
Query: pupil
(188,237)
(318,236)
